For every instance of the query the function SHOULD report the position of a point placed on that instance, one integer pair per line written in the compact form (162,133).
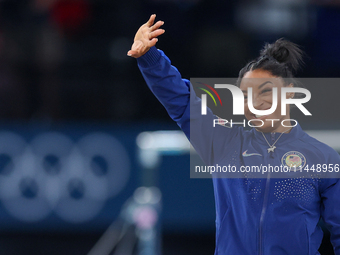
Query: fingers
(157,25)
(156,33)
(153,42)
(150,22)
(146,37)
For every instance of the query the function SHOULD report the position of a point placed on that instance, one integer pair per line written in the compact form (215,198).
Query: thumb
(130,53)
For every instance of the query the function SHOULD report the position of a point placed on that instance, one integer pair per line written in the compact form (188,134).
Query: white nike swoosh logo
(245,154)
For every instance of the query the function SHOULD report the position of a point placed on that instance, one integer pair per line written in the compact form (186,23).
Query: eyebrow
(245,91)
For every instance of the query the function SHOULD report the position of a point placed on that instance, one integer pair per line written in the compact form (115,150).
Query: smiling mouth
(258,116)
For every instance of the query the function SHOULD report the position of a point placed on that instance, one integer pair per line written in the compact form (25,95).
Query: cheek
(278,108)
(268,98)
(247,113)
(246,109)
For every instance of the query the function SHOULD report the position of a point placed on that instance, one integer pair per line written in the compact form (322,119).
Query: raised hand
(146,37)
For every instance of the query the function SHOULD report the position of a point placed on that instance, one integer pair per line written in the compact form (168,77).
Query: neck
(282,129)
(279,128)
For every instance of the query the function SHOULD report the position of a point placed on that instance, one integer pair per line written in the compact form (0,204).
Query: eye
(266,90)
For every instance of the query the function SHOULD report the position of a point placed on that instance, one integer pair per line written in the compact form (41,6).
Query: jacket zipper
(265,200)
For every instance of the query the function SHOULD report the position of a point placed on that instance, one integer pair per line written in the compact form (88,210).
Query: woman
(253,216)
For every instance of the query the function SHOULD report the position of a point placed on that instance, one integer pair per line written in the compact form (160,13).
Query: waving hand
(146,37)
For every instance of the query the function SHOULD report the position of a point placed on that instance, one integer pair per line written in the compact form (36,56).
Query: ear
(292,94)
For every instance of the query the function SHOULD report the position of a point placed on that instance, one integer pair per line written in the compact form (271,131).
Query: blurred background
(72,105)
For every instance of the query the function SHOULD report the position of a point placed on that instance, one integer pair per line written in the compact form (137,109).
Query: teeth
(259,116)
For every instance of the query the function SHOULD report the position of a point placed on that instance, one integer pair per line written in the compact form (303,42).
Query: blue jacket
(263,216)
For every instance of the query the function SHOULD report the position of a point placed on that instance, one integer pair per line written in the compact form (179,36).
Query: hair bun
(284,51)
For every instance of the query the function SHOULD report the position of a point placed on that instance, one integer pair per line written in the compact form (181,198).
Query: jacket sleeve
(183,106)
(330,207)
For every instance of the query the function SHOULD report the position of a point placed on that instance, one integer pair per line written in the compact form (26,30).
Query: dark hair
(281,58)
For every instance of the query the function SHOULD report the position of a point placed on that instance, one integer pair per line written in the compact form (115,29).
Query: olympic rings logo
(54,174)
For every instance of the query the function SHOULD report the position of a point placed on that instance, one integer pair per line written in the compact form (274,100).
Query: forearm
(182,104)
(165,82)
